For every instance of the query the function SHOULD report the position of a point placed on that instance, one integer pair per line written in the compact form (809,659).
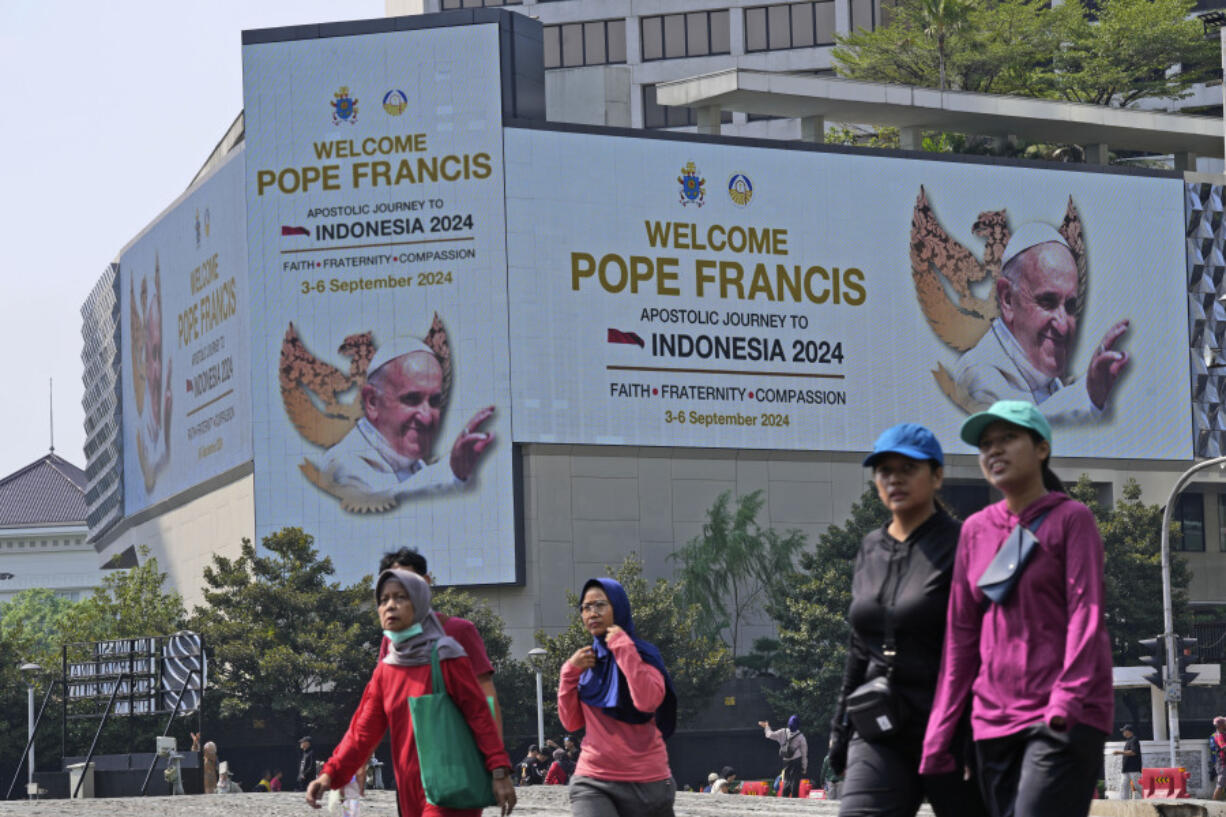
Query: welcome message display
(703,295)
(184,323)
(377,233)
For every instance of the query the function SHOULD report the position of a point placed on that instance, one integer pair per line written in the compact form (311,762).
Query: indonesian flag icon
(618,336)
(289,230)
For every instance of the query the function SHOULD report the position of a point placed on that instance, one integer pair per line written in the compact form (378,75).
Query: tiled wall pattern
(1207,317)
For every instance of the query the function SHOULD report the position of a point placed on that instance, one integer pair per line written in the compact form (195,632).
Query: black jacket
(913,578)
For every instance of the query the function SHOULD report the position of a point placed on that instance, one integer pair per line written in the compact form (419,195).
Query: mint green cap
(1019,412)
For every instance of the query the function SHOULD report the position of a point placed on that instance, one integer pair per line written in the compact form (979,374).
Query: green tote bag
(453,769)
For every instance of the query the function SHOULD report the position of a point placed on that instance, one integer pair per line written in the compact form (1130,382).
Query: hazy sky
(111,107)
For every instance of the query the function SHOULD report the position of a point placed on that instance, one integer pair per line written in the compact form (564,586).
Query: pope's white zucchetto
(1031,235)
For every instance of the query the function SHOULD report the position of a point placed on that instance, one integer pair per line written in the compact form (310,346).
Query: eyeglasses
(597,607)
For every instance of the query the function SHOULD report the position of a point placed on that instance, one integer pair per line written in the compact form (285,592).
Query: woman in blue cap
(1026,644)
(899,593)
(619,691)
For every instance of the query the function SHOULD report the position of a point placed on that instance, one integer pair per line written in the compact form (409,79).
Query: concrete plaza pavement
(535,801)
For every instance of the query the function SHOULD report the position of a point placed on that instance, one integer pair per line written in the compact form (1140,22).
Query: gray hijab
(415,651)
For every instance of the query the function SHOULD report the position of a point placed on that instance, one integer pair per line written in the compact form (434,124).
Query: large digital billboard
(380,353)
(697,294)
(184,330)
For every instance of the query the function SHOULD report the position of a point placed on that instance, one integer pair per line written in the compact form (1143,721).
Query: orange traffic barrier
(1166,783)
(805,788)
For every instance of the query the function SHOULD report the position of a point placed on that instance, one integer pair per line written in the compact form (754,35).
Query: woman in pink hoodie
(619,691)
(1032,658)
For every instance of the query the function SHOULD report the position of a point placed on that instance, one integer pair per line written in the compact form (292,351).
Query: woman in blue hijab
(619,691)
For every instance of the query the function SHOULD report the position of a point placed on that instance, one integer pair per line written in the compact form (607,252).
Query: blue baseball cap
(909,439)
(1019,412)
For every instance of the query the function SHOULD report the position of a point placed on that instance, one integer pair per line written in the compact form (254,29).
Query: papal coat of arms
(692,186)
(344,107)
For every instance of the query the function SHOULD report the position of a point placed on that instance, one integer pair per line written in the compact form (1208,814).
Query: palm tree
(942,18)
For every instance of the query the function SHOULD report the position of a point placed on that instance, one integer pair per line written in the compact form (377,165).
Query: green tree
(32,624)
(287,643)
(513,678)
(1132,541)
(943,18)
(1119,51)
(128,604)
(812,618)
(1112,53)
(735,566)
(697,661)
(1002,46)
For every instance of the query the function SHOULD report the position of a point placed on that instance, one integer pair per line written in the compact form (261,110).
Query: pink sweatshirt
(613,750)
(1045,653)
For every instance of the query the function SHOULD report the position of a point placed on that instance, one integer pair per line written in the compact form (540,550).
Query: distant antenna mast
(51,409)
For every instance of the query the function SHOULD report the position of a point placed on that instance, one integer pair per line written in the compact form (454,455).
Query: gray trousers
(590,797)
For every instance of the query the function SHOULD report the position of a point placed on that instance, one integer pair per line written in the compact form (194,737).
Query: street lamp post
(29,669)
(536,655)
(1174,691)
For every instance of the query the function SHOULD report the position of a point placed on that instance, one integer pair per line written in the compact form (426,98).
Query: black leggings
(791,779)
(1039,772)
(883,780)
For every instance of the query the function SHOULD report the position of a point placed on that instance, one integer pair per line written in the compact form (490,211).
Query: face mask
(403,635)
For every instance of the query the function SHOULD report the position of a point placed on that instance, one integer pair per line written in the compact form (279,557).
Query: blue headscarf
(604,686)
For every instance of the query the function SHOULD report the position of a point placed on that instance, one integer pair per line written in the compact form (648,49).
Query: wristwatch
(502,773)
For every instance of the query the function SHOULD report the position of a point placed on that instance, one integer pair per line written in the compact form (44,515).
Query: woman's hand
(584,658)
(504,795)
(613,628)
(317,789)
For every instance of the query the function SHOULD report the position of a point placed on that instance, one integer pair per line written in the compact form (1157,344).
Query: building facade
(43,531)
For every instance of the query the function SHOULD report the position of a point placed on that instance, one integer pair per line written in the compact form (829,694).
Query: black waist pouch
(872,709)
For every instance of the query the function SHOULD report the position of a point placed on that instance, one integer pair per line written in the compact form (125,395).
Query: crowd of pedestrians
(978,673)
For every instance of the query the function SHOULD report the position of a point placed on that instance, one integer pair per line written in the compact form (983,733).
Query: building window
(864,14)
(791,25)
(476,4)
(1221,520)
(695,34)
(1190,514)
(656,115)
(600,42)
(964,499)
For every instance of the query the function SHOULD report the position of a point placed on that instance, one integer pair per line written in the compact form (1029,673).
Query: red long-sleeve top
(612,749)
(385,705)
(1045,652)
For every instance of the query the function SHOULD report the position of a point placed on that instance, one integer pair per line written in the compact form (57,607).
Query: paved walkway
(537,801)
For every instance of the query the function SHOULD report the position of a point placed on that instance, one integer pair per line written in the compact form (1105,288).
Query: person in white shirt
(386,457)
(1025,354)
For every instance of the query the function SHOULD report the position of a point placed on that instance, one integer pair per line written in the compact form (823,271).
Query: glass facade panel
(616,31)
(802,25)
(823,14)
(862,14)
(653,40)
(572,44)
(721,33)
(593,44)
(697,40)
(1221,521)
(674,35)
(1191,517)
(778,27)
(553,46)
(755,29)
